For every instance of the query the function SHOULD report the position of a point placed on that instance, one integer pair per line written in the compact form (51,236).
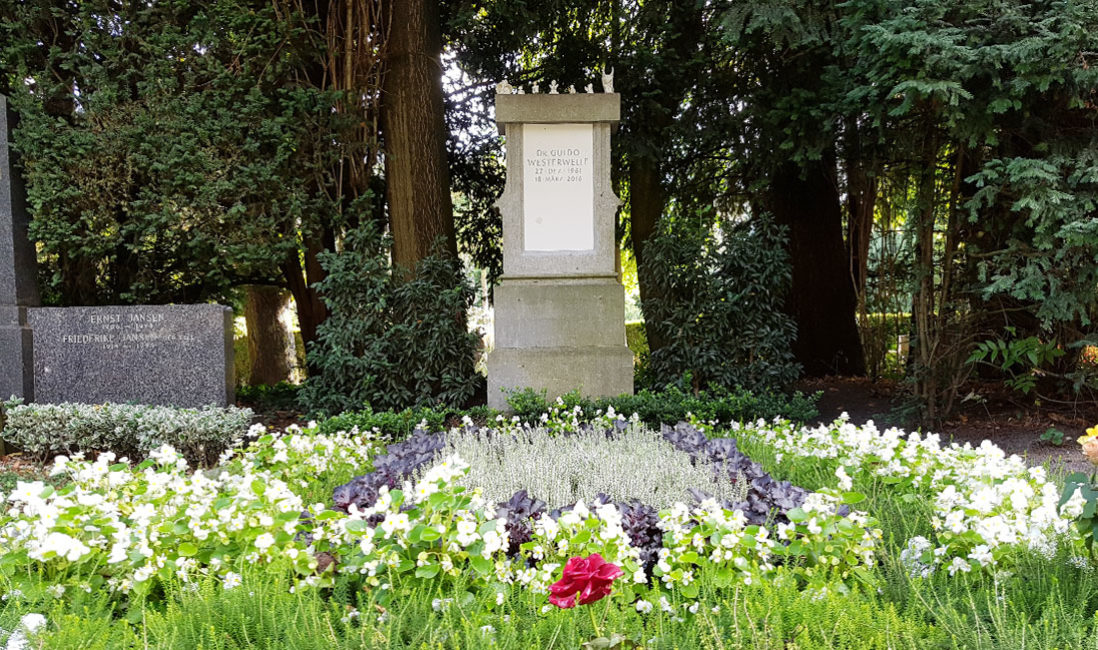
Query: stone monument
(178,355)
(18,272)
(559,307)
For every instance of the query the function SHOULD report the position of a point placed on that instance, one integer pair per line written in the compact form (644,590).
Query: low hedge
(667,406)
(131,430)
(674,405)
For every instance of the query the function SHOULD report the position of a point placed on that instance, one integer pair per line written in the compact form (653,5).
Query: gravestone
(18,272)
(179,355)
(559,307)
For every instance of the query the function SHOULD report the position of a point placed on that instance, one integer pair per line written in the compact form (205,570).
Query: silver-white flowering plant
(561,469)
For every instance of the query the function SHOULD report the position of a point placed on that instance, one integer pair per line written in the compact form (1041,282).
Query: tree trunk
(821,299)
(657,100)
(861,203)
(646,202)
(270,344)
(414,134)
(311,310)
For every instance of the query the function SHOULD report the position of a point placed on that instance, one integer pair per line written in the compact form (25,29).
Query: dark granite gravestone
(179,355)
(18,272)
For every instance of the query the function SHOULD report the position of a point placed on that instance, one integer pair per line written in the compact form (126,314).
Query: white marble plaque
(558,189)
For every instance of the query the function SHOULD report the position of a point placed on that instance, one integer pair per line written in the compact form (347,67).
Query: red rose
(590,577)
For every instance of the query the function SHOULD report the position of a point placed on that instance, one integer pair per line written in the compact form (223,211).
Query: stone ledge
(542,108)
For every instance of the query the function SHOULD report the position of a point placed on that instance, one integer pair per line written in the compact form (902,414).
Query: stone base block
(532,313)
(602,371)
(559,335)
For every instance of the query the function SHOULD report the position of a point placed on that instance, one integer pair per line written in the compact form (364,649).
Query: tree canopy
(914,164)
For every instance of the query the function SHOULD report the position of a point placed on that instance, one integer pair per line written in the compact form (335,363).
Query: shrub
(675,405)
(281,396)
(716,304)
(637,341)
(391,340)
(131,430)
(393,425)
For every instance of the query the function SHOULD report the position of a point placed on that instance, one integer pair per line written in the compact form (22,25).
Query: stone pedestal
(559,307)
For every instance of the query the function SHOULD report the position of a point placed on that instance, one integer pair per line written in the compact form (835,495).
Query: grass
(1048,609)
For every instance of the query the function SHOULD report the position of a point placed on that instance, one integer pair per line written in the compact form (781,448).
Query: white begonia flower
(643,606)
(395,522)
(493,543)
(264,541)
(959,565)
(845,482)
(982,554)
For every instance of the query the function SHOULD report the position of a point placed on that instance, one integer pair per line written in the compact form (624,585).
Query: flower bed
(128,528)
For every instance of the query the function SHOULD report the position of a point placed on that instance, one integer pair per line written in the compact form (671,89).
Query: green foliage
(717,301)
(1087,521)
(281,396)
(168,155)
(390,341)
(982,110)
(130,430)
(397,425)
(1017,357)
(1054,436)
(637,341)
(673,404)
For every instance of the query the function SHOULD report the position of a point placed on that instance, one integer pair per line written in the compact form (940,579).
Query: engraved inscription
(111,331)
(558,194)
(557,166)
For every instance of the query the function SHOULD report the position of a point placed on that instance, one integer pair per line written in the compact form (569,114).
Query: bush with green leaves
(673,404)
(393,338)
(130,430)
(169,153)
(398,425)
(716,303)
(280,396)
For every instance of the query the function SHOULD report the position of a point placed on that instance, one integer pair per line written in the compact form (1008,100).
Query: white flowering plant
(987,505)
(124,527)
(437,530)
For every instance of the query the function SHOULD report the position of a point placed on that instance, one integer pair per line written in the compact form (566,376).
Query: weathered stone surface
(178,355)
(600,259)
(552,313)
(16,354)
(18,266)
(593,371)
(564,108)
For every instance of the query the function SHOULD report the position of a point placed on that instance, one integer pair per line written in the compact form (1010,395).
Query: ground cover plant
(42,431)
(253,553)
